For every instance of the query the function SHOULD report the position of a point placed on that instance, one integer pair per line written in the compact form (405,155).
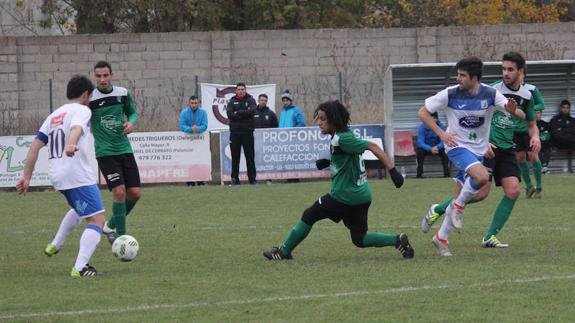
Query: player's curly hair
(336,113)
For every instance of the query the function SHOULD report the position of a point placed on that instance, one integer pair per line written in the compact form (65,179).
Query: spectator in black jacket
(264,117)
(562,127)
(240,111)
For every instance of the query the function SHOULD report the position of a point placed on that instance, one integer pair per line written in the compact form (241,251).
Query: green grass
(200,260)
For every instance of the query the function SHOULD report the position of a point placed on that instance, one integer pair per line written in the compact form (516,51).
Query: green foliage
(200,260)
(103,16)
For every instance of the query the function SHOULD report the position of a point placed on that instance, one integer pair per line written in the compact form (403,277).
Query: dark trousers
(421,153)
(545,153)
(237,141)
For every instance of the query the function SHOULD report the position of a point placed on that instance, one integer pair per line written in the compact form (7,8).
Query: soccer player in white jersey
(469,107)
(65,132)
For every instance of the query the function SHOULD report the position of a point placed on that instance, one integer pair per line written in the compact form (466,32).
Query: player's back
(69,172)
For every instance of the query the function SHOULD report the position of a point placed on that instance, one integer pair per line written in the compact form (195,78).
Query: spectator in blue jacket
(291,115)
(428,143)
(194,120)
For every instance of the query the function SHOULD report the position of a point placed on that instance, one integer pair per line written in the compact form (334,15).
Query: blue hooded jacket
(188,117)
(291,116)
(427,139)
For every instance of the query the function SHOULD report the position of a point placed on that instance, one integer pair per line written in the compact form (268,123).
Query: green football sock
(297,234)
(129,206)
(524,167)
(537,173)
(502,213)
(440,208)
(119,217)
(376,239)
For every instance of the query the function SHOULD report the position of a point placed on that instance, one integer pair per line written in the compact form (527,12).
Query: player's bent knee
(119,193)
(134,194)
(97,219)
(357,239)
(309,217)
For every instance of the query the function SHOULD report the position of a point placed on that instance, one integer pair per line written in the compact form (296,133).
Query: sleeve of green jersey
(130,109)
(352,145)
(538,100)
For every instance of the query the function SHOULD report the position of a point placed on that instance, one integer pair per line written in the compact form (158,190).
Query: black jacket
(265,118)
(562,128)
(241,114)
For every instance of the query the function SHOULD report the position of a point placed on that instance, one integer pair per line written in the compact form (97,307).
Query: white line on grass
(151,307)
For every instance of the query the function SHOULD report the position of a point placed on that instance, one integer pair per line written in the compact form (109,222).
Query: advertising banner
(291,152)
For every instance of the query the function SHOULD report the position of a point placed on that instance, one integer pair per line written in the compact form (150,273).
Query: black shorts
(354,216)
(521,141)
(120,170)
(504,164)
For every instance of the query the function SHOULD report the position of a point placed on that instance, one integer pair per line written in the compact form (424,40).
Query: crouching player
(350,195)
(65,131)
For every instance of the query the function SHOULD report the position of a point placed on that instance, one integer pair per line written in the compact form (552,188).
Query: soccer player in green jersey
(113,118)
(537,192)
(350,195)
(500,158)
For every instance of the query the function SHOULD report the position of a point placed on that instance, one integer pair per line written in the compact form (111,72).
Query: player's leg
(111,168)
(88,205)
(537,171)
(321,209)
(507,175)
(131,181)
(521,141)
(356,221)
(69,222)
(235,149)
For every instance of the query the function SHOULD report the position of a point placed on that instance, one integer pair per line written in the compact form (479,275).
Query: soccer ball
(125,248)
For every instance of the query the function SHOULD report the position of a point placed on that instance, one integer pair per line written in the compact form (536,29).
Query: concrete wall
(159,69)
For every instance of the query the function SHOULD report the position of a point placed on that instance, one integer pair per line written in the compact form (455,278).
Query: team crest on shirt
(471,121)
(57,120)
(484,104)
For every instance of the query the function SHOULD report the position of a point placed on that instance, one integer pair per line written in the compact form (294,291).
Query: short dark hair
(516,58)
(264,95)
(565,102)
(336,113)
(472,65)
(77,85)
(102,64)
(241,84)
(194,97)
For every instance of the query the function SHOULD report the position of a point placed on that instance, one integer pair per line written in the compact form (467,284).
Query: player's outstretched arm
(382,156)
(31,158)
(75,134)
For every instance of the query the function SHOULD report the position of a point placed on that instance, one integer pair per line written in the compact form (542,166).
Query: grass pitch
(201,260)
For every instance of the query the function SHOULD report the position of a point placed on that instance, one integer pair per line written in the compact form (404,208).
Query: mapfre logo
(220,103)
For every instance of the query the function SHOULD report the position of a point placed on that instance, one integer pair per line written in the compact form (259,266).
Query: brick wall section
(159,69)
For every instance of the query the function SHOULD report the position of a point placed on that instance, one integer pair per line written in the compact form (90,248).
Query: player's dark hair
(241,84)
(336,113)
(516,58)
(264,95)
(77,85)
(472,65)
(102,64)
(194,97)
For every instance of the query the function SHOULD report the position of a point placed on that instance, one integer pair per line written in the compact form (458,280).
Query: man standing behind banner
(240,111)
(194,120)
(264,117)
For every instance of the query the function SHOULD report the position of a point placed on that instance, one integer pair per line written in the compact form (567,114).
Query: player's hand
(396,177)
(195,129)
(128,127)
(511,106)
(490,154)
(535,145)
(22,186)
(322,163)
(71,150)
(449,139)
(434,150)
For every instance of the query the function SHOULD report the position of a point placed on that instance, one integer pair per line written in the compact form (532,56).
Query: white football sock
(446,226)
(467,193)
(70,221)
(88,243)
